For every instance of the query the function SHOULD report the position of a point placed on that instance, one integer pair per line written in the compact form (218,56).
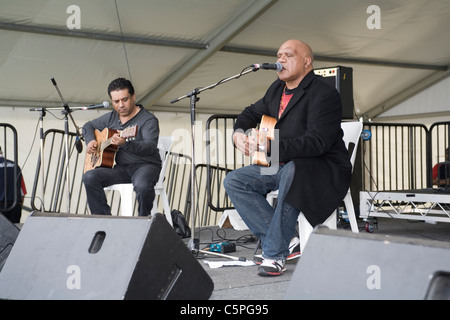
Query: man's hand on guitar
(247,145)
(254,142)
(92,146)
(257,145)
(241,142)
(117,139)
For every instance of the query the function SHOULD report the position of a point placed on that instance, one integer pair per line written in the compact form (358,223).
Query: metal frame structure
(416,199)
(412,199)
(9,138)
(425,205)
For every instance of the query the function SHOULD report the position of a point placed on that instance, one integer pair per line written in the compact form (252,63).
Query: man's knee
(229,180)
(88,178)
(144,185)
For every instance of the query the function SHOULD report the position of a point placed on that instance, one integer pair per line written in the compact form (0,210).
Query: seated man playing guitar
(310,165)
(122,147)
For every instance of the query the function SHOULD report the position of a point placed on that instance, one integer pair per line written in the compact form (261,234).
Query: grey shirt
(142,149)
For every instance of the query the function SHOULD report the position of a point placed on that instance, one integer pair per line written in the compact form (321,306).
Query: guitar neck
(127,133)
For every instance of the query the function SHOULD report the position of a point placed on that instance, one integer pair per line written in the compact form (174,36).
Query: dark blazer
(310,134)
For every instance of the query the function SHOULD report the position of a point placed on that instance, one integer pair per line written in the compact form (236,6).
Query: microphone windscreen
(78,145)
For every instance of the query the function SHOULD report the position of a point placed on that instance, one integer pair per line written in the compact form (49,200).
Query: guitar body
(266,132)
(102,158)
(106,151)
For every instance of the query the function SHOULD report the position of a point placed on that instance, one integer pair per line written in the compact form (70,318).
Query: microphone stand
(193,244)
(67,113)
(41,137)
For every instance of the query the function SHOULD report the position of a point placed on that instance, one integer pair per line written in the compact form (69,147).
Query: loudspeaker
(341,78)
(62,257)
(8,235)
(338,264)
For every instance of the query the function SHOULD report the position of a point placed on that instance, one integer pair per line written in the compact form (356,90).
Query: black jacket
(310,134)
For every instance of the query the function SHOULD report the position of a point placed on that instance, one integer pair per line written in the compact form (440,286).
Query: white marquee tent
(397,48)
(399,51)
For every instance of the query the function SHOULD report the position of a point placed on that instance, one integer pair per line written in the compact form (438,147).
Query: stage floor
(243,283)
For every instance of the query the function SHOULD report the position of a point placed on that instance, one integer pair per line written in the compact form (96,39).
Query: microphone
(78,144)
(269,66)
(105,104)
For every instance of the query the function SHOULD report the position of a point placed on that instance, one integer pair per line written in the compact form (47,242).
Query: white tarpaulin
(168,48)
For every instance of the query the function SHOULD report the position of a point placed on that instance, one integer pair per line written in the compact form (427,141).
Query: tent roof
(168,48)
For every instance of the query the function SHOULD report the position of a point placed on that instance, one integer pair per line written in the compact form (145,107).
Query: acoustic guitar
(106,151)
(265,133)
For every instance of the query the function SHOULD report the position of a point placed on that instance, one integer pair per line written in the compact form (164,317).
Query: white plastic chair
(352,132)
(126,189)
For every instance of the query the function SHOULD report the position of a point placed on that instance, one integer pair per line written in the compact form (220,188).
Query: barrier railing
(439,142)
(8,144)
(396,157)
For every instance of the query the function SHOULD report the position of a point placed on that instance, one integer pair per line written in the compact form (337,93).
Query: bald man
(310,165)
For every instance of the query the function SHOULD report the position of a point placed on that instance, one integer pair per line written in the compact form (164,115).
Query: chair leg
(351,212)
(155,204)
(165,202)
(331,222)
(166,207)
(304,230)
(126,200)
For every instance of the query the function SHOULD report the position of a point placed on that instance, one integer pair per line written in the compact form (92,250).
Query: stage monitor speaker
(8,235)
(341,78)
(71,257)
(342,265)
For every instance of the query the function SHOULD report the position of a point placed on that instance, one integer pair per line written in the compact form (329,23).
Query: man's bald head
(297,58)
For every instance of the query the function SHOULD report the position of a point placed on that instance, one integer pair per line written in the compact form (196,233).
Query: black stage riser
(339,264)
(109,258)
(8,235)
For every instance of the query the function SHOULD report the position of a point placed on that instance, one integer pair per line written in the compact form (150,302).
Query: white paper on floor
(219,264)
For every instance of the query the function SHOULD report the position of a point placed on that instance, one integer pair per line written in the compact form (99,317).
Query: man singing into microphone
(137,160)
(311,169)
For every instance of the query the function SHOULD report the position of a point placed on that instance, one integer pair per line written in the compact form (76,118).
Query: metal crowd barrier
(392,156)
(8,144)
(395,157)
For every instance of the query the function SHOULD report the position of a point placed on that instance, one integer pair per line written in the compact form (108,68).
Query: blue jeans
(247,188)
(143,177)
